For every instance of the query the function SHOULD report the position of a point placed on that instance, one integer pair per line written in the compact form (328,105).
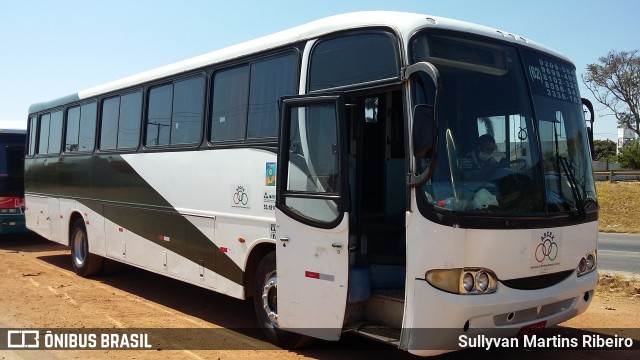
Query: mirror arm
(422,66)
(416,180)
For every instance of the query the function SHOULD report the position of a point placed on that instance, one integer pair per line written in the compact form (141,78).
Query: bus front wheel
(265,301)
(84,263)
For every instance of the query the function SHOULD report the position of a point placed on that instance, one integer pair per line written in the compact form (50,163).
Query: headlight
(588,263)
(482,281)
(591,261)
(582,266)
(463,281)
(468,282)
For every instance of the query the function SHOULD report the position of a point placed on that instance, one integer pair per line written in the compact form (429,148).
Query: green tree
(488,125)
(603,150)
(629,157)
(615,83)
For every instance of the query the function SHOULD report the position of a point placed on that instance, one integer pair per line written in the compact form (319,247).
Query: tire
(265,301)
(83,261)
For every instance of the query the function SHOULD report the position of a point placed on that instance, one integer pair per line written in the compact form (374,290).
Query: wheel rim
(79,249)
(270,297)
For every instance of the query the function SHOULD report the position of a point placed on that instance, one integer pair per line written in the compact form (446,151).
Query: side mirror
(589,116)
(425,79)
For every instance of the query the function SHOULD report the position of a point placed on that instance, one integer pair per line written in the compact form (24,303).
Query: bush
(629,156)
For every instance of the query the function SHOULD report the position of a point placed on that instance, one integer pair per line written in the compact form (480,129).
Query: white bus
(328,172)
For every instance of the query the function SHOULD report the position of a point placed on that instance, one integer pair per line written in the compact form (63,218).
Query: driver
(480,161)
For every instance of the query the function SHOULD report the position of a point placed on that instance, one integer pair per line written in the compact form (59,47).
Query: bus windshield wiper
(573,183)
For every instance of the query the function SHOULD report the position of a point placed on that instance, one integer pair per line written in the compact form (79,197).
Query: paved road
(619,252)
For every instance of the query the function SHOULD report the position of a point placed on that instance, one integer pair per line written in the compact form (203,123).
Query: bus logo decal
(240,197)
(545,251)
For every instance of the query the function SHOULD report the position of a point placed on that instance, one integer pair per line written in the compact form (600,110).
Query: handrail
(611,173)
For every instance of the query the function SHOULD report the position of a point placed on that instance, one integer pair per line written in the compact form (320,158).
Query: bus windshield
(499,152)
(11,164)
(12,181)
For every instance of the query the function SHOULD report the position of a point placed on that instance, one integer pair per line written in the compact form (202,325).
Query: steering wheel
(502,171)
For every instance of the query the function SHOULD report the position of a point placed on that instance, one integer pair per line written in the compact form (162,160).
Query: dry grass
(619,206)
(617,285)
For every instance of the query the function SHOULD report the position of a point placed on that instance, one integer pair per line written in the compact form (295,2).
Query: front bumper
(440,318)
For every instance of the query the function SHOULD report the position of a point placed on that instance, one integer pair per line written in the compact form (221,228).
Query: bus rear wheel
(265,301)
(84,263)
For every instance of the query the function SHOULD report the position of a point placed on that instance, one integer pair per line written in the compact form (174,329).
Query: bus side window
(33,126)
(43,134)
(176,113)
(271,79)
(55,133)
(347,60)
(120,127)
(81,128)
(87,131)
(229,109)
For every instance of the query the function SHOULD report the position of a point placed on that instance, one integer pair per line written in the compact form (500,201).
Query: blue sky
(49,49)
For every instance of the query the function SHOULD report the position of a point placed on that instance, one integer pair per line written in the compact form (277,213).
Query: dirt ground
(38,289)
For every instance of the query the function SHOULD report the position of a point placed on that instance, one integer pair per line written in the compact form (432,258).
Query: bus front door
(311,215)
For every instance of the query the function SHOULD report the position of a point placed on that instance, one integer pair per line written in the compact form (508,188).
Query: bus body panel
(427,330)
(193,238)
(37,215)
(438,330)
(315,260)
(510,254)
(53,206)
(94,223)
(235,201)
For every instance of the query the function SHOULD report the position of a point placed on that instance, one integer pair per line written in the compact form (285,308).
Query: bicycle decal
(240,197)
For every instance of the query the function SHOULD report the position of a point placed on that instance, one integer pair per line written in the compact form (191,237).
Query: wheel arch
(75,215)
(255,255)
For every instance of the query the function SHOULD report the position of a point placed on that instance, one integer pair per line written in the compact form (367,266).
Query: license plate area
(532,329)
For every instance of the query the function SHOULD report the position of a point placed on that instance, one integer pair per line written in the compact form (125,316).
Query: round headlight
(482,281)
(582,266)
(467,282)
(591,261)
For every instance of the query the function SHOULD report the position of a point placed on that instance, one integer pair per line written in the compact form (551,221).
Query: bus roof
(13,131)
(404,23)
